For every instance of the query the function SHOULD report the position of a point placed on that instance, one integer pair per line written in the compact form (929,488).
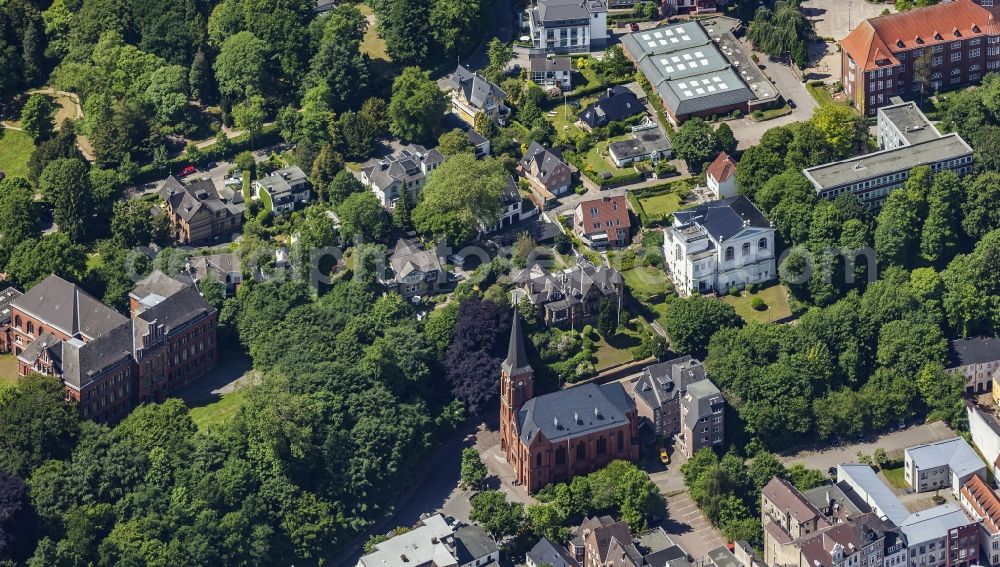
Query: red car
(188,170)
(634,26)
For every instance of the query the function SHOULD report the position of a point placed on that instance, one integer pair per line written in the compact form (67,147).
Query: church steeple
(516,362)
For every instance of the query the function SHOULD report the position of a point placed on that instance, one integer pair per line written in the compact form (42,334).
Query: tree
(249,115)
(362,216)
(455,24)
(806,479)
(417,106)
(241,68)
(607,319)
(897,231)
(339,63)
(695,143)
(19,215)
(843,128)
(692,321)
(763,468)
(473,470)
(498,516)
(360,133)
(62,145)
(402,213)
(131,223)
(979,211)
(725,139)
(17,519)
(36,117)
(168,95)
(499,54)
(66,184)
(455,142)
(461,197)
(476,351)
(31,261)
(614,64)
(38,424)
(940,236)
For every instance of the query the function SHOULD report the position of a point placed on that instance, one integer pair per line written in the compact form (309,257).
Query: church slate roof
(68,308)
(516,362)
(575,411)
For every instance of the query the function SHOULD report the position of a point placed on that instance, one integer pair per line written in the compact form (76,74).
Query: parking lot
(689,528)
(893,443)
(835,19)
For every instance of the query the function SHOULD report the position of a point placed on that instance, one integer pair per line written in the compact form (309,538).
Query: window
(621,441)
(937,60)
(746,248)
(974,52)
(31,328)
(17,322)
(956,56)
(730,253)
(762,244)
(560,455)
(602,446)
(538,459)
(581,451)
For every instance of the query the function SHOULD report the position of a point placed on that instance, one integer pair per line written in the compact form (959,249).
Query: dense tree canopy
(461,198)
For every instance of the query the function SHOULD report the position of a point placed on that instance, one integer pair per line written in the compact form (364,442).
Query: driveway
(835,19)
(894,443)
(688,527)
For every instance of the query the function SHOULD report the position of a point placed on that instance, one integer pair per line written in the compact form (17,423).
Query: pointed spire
(517,358)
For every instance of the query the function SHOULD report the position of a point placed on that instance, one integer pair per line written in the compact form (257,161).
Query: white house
(985,431)
(434,542)
(284,190)
(548,71)
(719,245)
(406,170)
(944,464)
(568,26)
(721,177)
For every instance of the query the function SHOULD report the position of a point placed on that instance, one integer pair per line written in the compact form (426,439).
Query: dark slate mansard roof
(475,88)
(724,219)
(617,104)
(574,411)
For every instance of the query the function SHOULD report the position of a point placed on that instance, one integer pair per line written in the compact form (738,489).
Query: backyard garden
(763,306)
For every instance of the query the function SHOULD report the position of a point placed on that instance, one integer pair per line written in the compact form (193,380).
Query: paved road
(896,442)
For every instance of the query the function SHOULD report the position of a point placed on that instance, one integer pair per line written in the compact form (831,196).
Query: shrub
(752,288)
(757,114)
(757,304)
(734,291)
(588,331)
(580,190)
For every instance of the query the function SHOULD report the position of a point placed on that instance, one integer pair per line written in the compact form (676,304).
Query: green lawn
(598,160)
(775,297)
(8,369)
(645,281)
(217,412)
(372,44)
(659,206)
(824,97)
(896,477)
(15,149)
(619,349)
(565,115)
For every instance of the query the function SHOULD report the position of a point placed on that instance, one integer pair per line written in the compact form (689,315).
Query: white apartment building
(719,245)
(568,26)
(405,170)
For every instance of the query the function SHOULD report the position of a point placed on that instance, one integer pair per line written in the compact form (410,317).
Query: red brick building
(949,45)
(554,437)
(109,363)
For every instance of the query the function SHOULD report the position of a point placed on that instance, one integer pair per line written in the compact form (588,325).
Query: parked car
(634,27)
(188,170)
(791,103)
(664,456)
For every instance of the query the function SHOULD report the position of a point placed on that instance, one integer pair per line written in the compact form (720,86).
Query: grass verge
(218,412)
(15,150)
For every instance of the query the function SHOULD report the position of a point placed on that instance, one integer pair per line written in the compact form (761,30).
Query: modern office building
(568,26)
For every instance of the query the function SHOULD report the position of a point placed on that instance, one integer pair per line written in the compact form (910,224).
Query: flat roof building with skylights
(692,76)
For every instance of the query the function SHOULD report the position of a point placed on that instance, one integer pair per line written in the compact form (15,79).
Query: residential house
(7,297)
(510,200)
(555,437)
(572,297)
(930,535)
(603,542)
(906,140)
(473,94)
(414,271)
(546,171)
(978,360)
(110,363)
(648,142)
(721,177)
(982,503)
(603,223)
(984,427)
(691,6)
(197,214)
(480,144)
(659,389)
(617,104)
(405,170)
(952,43)
(702,421)
(568,26)
(719,245)
(283,190)
(548,71)
(783,504)
(547,553)
(223,268)
(943,464)
(432,542)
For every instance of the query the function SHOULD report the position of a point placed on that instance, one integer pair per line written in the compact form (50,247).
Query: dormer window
(900,44)
(937,35)
(918,39)
(975,28)
(955,32)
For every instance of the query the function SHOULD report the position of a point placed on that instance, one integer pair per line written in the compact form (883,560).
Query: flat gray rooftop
(665,39)
(885,162)
(911,122)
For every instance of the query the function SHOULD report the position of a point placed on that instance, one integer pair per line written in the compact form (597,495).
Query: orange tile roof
(609,209)
(722,168)
(880,38)
(984,501)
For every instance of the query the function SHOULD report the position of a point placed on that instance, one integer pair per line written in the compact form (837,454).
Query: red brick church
(557,436)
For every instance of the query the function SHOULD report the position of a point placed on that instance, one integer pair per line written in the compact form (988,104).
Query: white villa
(719,245)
